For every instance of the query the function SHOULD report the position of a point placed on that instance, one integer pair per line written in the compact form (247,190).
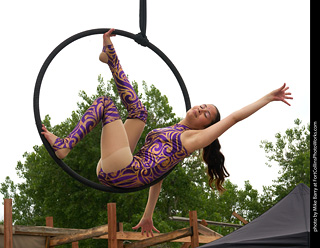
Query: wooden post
(49,223)
(203,222)
(112,226)
(75,244)
(239,217)
(8,235)
(120,242)
(193,220)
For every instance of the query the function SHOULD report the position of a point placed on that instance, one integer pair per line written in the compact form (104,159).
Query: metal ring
(36,108)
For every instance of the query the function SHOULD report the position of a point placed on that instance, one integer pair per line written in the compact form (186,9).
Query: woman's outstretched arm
(197,139)
(146,222)
(280,94)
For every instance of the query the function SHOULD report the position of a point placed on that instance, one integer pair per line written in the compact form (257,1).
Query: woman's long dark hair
(214,159)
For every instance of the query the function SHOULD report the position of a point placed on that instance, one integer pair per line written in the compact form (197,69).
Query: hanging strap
(141,37)
(143,17)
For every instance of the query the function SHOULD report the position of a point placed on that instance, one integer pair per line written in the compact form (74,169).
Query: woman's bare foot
(106,41)
(107,36)
(51,138)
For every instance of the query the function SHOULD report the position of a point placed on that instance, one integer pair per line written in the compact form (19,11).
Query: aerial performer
(164,147)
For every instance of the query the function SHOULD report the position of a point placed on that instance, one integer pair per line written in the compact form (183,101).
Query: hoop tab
(142,40)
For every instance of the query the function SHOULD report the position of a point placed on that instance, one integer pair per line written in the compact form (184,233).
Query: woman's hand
(146,222)
(146,225)
(280,94)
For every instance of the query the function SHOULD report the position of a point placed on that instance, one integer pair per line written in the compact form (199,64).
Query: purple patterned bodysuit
(161,152)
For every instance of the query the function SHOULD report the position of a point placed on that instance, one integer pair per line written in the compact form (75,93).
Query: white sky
(229,53)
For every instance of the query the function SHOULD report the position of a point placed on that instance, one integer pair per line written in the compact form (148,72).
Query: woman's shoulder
(188,139)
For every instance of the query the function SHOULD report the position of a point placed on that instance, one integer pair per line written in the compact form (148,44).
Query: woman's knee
(140,113)
(110,112)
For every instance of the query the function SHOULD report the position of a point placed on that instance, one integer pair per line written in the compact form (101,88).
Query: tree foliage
(49,191)
(291,152)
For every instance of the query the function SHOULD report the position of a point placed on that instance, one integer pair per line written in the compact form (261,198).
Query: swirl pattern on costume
(161,152)
(128,96)
(102,109)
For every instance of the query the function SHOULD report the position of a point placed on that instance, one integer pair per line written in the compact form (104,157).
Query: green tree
(291,152)
(245,202)
(49,191)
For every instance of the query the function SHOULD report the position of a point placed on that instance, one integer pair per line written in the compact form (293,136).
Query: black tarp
(286,224)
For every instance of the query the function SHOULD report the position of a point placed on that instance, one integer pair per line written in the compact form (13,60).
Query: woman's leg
(137,113)
(115,148)
(102,109)
(117,157)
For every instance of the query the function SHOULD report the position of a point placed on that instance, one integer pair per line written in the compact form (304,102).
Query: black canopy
(286,224)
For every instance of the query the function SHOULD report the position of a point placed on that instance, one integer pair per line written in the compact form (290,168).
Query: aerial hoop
(142,40)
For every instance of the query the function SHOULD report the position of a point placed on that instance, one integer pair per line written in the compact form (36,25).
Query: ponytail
(214,159)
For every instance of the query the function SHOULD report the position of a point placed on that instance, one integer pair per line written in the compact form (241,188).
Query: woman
(164,148)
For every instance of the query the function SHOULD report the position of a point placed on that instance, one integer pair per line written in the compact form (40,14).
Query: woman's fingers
(155,229)
(286,102)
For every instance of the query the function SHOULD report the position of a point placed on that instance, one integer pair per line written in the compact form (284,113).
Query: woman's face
(201,116)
